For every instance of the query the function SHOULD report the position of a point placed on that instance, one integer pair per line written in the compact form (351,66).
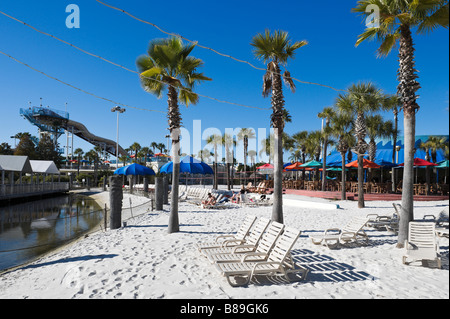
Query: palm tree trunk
(406,90)
(343,194)
(394,137)
(278,125)
(215,166)
(324,165)
(245,160)
(174,127)
(360,182)
(277,210)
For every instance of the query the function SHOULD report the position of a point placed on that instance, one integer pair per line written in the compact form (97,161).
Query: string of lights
(123,67)
(77,88)
(213,50)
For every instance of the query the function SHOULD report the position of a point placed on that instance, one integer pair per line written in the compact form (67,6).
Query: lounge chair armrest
(263,263)
(223,236)
(252,255)
(372,216)
(332,230)
(233,242)
(243,248)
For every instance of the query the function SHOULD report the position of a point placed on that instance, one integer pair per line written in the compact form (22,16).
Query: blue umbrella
(188,164)
(134,169)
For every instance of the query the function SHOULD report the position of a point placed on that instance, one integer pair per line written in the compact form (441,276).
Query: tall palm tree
(431,146)
(377,127)
(215,140)
(79,153)
(244,135)
(397,20)
(275,50)
(168,66)
(229,143)
(267,147)
(136,147)
(341,126)
(393,103)
(361,99)
(154,145)
(327,113)
(299,139)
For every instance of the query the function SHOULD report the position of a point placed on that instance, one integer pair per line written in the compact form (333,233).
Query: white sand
(143,261)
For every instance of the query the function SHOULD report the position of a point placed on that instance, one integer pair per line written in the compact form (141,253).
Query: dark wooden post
(115,201)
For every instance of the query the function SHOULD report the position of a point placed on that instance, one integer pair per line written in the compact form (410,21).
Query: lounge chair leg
(236,284)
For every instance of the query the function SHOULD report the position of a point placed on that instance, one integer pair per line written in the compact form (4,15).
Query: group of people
(237,197)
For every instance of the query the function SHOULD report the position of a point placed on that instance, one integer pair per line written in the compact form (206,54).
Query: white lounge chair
(259,250)
(222,240)
(389,221)
(248,244)
(279,262)
(333,237)
(422,243)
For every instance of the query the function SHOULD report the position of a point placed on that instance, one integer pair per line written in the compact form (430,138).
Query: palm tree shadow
(70,259)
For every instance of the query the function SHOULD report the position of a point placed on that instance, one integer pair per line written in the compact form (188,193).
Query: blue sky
(330,58)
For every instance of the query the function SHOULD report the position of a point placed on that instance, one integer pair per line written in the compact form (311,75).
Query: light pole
(117,109)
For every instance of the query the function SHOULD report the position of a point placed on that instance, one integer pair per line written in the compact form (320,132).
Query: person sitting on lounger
(210,201)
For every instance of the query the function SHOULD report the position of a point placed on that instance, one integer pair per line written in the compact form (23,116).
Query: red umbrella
(295,166)
(265,166)
(420,162)
(366,164)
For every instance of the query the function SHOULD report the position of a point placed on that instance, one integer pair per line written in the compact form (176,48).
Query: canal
(30,229)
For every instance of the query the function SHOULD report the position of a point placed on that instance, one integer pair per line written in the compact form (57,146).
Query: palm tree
(79,153)
(342,128)
(361,99)
(136,147)
(228,142)
(154,145)
(244,135)
(161,147)
(431,146)
(393,103)
(326,114)
(299,139)
(215,140)
(397,19)
(377,127)
(168,66)
(266,147)
(275,50)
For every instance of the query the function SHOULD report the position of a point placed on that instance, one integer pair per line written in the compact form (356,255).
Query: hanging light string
(215,51)
(125,68)
(77,88)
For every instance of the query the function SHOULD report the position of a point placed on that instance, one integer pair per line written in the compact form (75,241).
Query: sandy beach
(143,261)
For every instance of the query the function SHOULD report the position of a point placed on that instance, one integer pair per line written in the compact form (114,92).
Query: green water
(31,229)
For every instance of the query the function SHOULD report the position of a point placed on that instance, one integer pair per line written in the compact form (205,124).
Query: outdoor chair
(248,244)
(421,244)
(279,262)
(389,222)
(333,237)
(259,250)
(222,240)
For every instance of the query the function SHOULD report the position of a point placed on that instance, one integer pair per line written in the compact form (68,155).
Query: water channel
(33,228)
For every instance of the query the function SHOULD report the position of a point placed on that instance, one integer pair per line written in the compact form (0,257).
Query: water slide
(82,132)
(56,122)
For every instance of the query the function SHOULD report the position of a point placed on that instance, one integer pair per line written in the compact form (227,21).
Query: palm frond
(288,80)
